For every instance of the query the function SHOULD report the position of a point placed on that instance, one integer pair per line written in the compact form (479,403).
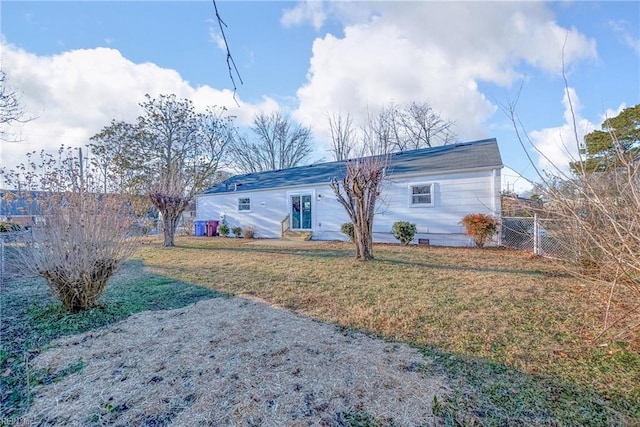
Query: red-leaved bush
(480,227)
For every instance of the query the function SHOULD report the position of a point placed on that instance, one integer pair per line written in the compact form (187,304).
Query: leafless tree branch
(231,64)
(12,111)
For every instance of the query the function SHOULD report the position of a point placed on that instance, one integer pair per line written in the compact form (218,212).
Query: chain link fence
(543,236)
(8,241)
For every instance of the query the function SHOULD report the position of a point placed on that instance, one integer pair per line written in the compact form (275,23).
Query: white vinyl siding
(453,195)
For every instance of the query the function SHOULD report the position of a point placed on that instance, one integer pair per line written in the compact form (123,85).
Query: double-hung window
(422,195)
(244,204)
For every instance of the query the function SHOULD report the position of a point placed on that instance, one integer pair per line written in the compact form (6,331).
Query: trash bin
(212,228)
(200,228)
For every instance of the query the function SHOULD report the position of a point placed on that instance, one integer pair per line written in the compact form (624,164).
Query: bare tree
(424,127)
(358,192)
(409,127)
(170,154)
(392,128)
(11,109)
(342,136)
(377,133)
(278,144)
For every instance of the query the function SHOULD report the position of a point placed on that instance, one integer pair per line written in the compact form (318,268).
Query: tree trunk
(169,222)
(364,249)
(171,208)
(364,243)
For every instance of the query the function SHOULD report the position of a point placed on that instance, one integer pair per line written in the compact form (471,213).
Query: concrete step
(299,236)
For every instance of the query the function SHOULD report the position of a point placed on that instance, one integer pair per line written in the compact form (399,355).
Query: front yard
(512,334)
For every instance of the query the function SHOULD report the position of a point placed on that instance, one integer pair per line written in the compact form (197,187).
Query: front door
(301,212)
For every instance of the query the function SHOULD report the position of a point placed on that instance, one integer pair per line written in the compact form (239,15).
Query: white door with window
(301,212)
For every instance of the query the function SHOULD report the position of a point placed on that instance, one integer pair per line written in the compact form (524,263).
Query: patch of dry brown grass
(233,362)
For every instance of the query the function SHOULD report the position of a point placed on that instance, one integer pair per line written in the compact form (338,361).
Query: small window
(422,194)
(244,204)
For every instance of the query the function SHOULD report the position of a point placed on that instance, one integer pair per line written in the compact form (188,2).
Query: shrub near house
(404,231)
(480,227)
(347,229)
(223,230)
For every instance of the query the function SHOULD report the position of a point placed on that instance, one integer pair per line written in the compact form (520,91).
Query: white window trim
(422,184)
(244,210)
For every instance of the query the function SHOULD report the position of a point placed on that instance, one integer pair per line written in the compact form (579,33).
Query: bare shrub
(249,232)
(188,225)
(602,210)
(84,236)
(599,203)
(82,244)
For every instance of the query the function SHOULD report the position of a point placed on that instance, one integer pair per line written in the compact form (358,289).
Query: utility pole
(81,168)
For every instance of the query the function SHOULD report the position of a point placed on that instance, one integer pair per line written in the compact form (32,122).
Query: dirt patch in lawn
(233,361)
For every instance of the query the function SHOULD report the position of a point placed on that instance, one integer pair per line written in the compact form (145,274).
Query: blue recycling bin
(200,228)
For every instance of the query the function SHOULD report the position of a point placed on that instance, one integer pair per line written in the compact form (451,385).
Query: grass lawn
(513,334)
(509,329)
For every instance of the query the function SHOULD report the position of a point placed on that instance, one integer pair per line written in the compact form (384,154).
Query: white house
(432,187)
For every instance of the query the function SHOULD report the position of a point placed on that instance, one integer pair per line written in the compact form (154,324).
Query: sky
(77,65)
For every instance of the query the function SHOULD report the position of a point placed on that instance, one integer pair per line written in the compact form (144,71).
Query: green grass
(31,319)
(492,394)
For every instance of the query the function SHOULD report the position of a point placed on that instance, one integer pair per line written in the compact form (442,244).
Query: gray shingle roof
(468,155)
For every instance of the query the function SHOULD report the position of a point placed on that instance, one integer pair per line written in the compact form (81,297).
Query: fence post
(1,262)
(536,235)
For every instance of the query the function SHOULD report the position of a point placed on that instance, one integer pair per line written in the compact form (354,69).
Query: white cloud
(74,94)
(558,146)
(622,30)
(216,37)
(311,11)
(514,181)
(432,51)
(206,96)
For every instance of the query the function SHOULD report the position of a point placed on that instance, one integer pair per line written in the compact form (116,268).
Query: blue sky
(77,65)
